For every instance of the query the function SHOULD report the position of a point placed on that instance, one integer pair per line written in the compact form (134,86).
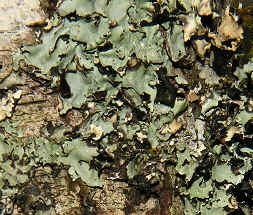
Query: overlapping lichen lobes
(154,84)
